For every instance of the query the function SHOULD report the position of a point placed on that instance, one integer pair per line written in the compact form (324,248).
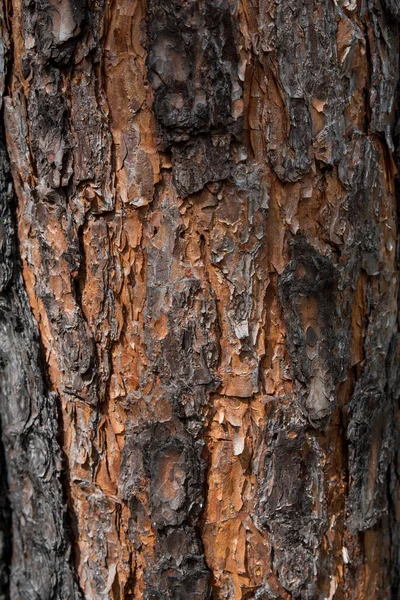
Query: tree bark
(199,317)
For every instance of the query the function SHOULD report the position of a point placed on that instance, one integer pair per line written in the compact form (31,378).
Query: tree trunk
(199,334)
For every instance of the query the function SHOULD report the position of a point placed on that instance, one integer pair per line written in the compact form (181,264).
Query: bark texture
(199,332)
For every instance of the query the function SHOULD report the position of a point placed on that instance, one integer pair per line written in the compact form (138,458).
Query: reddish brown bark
(201,361)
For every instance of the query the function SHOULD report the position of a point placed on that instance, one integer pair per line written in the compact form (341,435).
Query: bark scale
(199,299)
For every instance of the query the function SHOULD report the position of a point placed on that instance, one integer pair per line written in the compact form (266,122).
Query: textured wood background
(199,335)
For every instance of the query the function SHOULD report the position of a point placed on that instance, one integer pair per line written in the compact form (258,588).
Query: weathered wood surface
(199,333)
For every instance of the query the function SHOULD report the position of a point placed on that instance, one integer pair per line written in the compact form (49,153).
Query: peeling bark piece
(54,25)
(385,67)
(174,478)
(169,457)
(289,497)
(199,162)
(372,434)
(370,431)
(192,66)
(51,142)
(308,292)
(180,570)
(304,43)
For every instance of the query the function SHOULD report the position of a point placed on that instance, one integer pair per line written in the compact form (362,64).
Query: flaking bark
(199,334)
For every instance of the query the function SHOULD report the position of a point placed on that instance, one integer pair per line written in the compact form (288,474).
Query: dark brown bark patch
(308,292)
(192,66)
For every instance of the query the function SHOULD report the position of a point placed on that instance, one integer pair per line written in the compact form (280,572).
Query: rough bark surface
(199,333)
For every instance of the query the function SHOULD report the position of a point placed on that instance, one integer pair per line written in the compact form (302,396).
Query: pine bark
(199,316)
